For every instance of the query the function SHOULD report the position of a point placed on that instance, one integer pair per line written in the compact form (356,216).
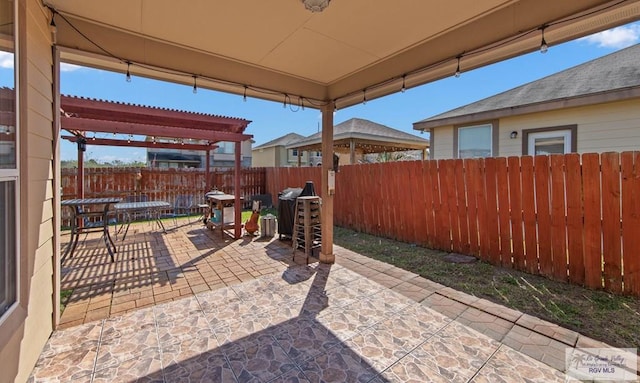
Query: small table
(128,208)
(77,208)
(220,201)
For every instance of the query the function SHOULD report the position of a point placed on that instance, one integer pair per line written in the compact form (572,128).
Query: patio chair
(203,211)
(92,220)
(181,207)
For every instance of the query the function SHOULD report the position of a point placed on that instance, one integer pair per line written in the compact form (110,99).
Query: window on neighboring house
(294,152)
(475,141)
(554,140)
(225,147)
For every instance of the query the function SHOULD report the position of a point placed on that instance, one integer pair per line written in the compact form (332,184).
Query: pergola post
(80,181)
(207,161)
(236,192)
(326,252)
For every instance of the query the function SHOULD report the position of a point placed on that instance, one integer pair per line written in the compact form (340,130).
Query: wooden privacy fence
(278,179)
(159,184)
(569,217)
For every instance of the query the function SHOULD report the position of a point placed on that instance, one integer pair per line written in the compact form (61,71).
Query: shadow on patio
(152,267)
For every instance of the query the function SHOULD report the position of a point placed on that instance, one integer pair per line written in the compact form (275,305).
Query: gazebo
(357,135)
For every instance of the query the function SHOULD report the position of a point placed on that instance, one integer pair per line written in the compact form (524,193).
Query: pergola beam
(105,126)
(104,110)
(141,144)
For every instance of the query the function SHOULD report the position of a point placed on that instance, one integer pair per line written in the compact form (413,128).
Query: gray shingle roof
(281,141)
(616,71)
(360,128)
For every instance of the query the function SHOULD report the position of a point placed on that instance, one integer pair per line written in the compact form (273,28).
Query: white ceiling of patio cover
(351,45)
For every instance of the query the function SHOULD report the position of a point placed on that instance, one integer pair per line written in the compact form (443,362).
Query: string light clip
(544,47)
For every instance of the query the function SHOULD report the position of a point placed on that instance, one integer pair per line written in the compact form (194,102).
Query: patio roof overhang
(280,51)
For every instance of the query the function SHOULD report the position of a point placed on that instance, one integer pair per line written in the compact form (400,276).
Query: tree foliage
(92,163)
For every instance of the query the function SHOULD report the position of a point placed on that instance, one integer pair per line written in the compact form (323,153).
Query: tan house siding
(276,156)
(263,157)
(443,139)
(19,353)
(601,128)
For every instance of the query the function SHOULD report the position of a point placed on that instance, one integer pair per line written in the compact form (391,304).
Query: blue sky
(271,120)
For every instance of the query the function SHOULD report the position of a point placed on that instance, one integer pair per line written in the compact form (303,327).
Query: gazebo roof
(367,136)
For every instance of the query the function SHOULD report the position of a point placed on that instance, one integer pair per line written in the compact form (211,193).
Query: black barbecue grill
(287,205)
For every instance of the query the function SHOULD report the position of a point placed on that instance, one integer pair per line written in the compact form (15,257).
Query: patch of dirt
(612,319)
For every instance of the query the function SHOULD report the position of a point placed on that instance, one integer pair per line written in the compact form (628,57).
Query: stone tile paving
(190,306)
(308,323)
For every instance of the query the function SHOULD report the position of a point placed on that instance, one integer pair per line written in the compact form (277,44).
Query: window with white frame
(9,175)
(475,141)
(294,152)
(549,142)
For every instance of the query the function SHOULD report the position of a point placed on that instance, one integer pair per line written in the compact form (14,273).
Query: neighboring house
(593,107)
(221,157)
(275,154)
(357,138)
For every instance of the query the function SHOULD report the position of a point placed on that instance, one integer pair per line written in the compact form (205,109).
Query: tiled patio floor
(256,316)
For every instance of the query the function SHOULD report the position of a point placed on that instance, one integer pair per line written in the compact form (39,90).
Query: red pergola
(82,115)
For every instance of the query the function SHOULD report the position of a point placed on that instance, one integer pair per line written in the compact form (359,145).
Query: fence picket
(574,218)
(445,174)
(386,196)
(558,218)
(430,206)
(458,206)
(471,174)
(370,202)
(543,214)
(611,221)
(416,208)
(462,218)
(631,221)
(592,220)
(529,215)
(403,195)
(491,192)
(515,198)
(481,202)
(506,257)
